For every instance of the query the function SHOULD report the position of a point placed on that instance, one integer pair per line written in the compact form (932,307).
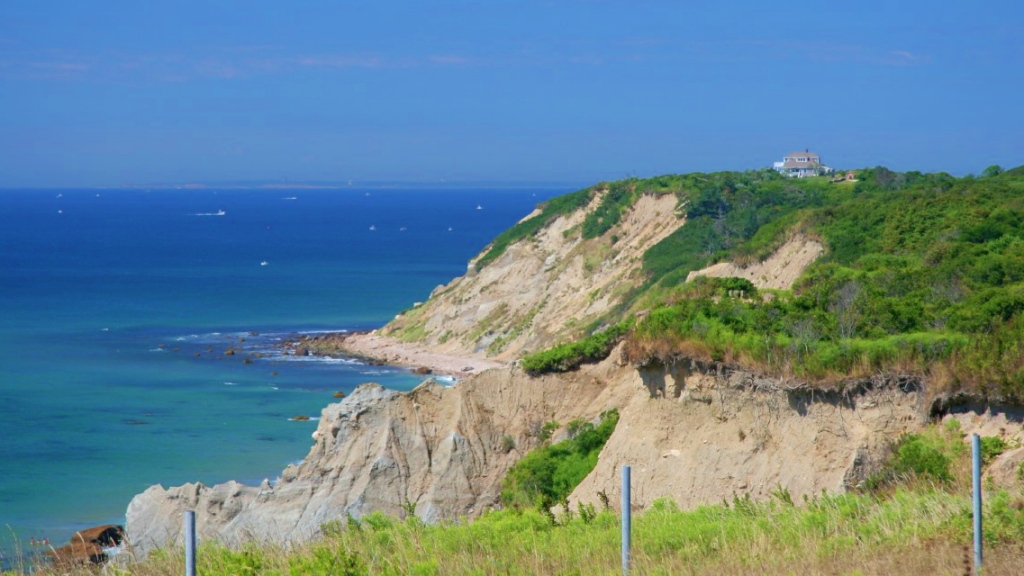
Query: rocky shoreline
(377,350)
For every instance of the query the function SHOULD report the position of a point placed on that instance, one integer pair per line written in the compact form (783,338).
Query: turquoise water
(116,308)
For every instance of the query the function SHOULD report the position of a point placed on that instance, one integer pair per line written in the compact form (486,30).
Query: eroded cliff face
(705,433)
(442,450)
(692,432)
(542,288)
(779,271)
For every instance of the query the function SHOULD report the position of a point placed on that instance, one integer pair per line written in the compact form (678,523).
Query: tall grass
(914,523)
(920,531)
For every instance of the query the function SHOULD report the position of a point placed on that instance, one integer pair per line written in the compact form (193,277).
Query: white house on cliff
(800,164)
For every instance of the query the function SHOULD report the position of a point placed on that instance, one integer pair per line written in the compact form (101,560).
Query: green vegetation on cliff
(549,210)
(570,355)
(732,215)
(546,476)
(922,272)
(616,198)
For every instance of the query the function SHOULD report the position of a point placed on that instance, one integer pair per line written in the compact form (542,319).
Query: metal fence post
(626,520)
(976,477)
(190,543)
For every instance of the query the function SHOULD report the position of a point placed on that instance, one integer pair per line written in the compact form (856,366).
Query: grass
(411,326)
(917,531)
(486,325)
(913,523)
(522,323)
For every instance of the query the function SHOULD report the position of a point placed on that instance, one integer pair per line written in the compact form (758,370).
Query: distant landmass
(341,184)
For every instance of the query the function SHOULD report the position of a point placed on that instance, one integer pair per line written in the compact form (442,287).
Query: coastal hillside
(806,278)
(529,290)
(583,261)
(782,333)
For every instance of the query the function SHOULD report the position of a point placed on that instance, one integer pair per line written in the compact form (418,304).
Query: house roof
(802,155)
(795,164)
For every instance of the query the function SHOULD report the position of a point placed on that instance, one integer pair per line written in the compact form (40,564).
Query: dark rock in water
(229,352)
(254,333)
(89,546)
(241,339)
(422,371)
(299,418)
(247,361)
(339,394)
(330,345)
(197,354)
(273,373)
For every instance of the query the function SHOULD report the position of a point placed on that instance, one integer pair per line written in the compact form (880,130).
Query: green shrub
(917,455)
(508,443)
(571,355)
(547,430)
(547,475)
(991,446)
(953,428)
(618,198)
(927,455)
(725,212)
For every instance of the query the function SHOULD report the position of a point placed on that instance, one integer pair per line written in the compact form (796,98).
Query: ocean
(116,308)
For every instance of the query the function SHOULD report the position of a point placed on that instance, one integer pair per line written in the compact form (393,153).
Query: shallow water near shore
(118,307)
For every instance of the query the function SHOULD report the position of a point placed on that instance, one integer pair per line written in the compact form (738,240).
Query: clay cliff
(440,450)
(693,431)
(543,289)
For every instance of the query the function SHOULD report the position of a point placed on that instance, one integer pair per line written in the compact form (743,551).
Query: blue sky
(121,92)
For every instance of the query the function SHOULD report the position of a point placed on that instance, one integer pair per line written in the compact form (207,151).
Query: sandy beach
(374,346)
